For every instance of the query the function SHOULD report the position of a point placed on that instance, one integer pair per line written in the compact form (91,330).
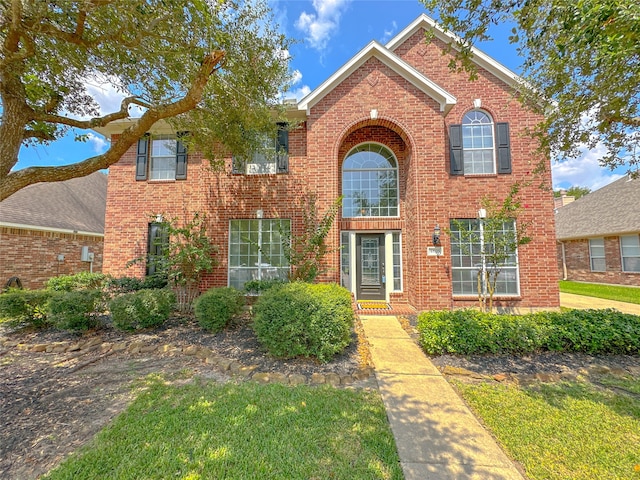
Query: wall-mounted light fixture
(436,235)
(259,213)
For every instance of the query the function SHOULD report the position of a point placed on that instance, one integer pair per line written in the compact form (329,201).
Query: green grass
(566,430)
(242,431)
(610,292)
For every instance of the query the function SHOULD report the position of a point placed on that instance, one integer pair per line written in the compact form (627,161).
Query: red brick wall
(32,255)
(578,264)
(410,123)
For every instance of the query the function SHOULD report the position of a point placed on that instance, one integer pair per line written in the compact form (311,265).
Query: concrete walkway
(437,436)
(570,300)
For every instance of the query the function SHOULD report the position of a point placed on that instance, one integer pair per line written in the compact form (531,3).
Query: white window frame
(261,270)
(470,150)
(476,249)
(594,243)
(159,154)
(624,256)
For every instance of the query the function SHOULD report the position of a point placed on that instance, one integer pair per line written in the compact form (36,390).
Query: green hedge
(74,310)
(301,319)
(468,332)
(28,307)
(142,309)
(215,308)
(78,281)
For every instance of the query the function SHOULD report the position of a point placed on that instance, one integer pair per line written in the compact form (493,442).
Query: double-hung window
(272,158)
(479,146)
(161,157)
(596,255)
(483,257)
(630,253)
(256,250)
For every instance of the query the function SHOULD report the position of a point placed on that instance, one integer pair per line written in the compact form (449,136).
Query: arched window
(477,143)
(370,182)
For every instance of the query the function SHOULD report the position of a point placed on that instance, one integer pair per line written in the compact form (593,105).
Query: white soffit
(478,57)
(376,50)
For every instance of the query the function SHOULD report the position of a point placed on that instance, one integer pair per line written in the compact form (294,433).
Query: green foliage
(301,319)
(228,59)
(25,307)
(215,308)
(576,192)
(469,332)
(305,252)
(584,56)
(187,254)
(74,310)
(619,293)
(256,287)
(77,281)
(498,237)
(132,284)
(142,309)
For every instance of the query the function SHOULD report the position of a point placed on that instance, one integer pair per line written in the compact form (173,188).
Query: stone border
(208,356)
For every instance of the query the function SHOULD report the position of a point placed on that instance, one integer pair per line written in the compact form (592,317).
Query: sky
(330,32)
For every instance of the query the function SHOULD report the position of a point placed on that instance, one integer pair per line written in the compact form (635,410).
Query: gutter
(564,262)
(50,229)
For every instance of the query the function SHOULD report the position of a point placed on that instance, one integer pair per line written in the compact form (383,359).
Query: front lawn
(566,430)
(242,431)
(610,292)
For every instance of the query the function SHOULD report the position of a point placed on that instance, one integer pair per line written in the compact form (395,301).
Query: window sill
(162,181)
(480,175)
(495,297)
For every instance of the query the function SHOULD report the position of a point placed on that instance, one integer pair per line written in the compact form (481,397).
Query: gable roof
(395,63)
(612,210)
(478,56)
(76,205)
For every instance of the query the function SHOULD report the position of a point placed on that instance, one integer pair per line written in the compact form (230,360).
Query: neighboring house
(44,227)
(599,235)
(410,144)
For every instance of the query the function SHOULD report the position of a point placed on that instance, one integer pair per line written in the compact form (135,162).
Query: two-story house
(410,144)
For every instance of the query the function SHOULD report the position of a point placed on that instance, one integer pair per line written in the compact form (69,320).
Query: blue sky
(331,32)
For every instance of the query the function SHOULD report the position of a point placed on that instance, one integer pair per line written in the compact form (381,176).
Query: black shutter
(181,157)
(504,148)
(455,150)
(142,157)
(237,165)
(282,148)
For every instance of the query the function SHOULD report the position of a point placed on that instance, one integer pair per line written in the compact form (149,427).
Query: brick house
(410,144)
(599,235)
(51,229)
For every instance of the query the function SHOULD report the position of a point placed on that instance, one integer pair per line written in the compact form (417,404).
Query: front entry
(370,280)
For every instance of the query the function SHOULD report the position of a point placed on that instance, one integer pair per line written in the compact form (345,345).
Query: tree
(492,241)
(574,191)
(583,56)
(210,67)
(305,252)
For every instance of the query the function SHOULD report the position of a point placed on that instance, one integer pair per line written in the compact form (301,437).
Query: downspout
(564,262)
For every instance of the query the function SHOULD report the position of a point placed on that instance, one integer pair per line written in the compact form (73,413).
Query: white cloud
(296,77)
(390,32)
(299,93)
(108,96)
(318,27)
(99,143)
(584,171)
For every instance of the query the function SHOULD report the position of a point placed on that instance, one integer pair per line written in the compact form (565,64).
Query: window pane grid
(163,158)
(256,251)
(596,255)
(397,262)
(467,245)
(630,252)
(477,143)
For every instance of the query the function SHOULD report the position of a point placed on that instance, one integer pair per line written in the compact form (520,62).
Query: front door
(370,266)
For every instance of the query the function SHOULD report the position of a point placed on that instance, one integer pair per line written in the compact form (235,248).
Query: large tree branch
(94,122)
(14,181)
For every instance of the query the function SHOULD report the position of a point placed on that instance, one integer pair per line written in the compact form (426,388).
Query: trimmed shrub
(74,310)
(468,332)
(256,287)
(25,307)
(132,284)
(142,309)
(301,319)
(217,306)
(78,281)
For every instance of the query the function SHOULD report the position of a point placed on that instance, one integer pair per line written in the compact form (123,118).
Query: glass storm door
(370,266)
